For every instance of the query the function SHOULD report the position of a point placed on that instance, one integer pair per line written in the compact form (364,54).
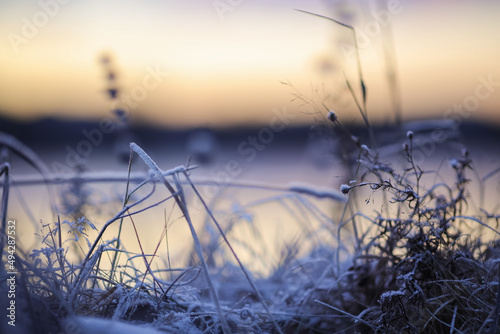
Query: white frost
(320,192)
(89,325)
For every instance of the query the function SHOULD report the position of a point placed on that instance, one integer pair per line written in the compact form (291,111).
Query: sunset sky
(220,63)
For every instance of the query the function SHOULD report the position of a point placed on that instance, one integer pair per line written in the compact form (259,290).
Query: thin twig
(243,269)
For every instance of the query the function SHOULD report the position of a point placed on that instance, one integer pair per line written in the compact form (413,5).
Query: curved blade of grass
(358,61)
(476,220)
(363,109)
(179,199)
(25,153)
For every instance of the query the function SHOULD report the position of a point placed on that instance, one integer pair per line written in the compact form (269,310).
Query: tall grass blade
(180,200)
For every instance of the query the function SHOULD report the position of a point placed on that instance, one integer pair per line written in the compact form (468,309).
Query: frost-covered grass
(424,262)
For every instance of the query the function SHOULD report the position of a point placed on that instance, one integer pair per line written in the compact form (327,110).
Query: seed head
(113,92)
(344,189)
(332,117)
(409,134)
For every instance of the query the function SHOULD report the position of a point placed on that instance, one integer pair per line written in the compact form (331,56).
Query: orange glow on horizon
(227,72)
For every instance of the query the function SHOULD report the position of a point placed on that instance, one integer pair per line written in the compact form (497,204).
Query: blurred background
(245,81)
(223,60)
